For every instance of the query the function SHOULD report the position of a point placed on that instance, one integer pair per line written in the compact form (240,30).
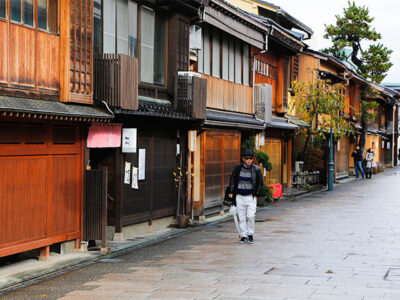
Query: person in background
(245,185)
(369,157)
(357,156)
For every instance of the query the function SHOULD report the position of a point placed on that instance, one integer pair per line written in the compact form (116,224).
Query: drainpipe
(253,57)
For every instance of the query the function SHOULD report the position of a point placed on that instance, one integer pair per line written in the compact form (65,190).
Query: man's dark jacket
(357,156)
(256,179)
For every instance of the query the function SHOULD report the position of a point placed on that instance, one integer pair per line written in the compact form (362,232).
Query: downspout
(253,57)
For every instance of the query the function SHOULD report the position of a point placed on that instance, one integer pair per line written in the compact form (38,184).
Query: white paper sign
(135,178)
(262,139)
(129,136)
(127,177)
(376,144)
(387,145)
(192,140)
(383,145)
(142,164)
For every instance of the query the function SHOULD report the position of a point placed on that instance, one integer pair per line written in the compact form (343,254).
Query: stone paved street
(339,245)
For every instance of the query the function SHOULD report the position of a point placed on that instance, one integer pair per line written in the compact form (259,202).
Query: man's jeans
(246,208)
(358,166)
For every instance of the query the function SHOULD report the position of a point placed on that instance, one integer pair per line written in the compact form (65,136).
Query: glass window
(97,36)
(132,32)
(28,12)
(200,60)
(147,45)
(231,59)
(159,50)
(246,62)
(215,54)
(3,9)
(42,14)
(109,26)
(207,57)
(15,6)
(238,61)
(122,17)
(225,56)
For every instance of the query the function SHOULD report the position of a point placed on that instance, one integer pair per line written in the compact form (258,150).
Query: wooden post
(104,213)
(44,253)
(77,243)
(289,162)
(65,59)
(118,190)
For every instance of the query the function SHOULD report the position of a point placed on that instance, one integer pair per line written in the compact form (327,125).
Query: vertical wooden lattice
(183,45)
(81,46)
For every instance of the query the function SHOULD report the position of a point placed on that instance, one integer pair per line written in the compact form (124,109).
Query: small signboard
(142,164)
(129,137)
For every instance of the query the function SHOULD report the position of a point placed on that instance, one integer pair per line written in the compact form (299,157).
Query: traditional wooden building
(224,59)
(141,72)
(274,71)
(381,132)
(380,136)
(45,103)
(313,65)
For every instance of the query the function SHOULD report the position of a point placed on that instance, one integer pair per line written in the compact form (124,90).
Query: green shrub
(263,158)
(267,193)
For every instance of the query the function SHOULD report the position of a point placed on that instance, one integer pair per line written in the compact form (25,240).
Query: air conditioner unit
(263,102)
(195,38)
(188,74)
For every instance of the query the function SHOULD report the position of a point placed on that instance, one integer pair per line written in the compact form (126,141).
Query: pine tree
(349,35)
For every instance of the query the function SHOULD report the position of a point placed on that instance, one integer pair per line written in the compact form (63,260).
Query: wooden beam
(65,50)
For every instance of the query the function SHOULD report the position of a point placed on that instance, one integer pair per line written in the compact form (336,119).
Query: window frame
(35,21)
(6,11)
(129,24)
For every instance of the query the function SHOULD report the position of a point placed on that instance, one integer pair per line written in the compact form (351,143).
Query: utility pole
(330,170)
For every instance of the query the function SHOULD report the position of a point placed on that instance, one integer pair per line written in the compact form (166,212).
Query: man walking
(245,186)
(357,156)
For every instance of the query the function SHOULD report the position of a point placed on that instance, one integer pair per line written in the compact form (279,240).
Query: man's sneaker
(251,240)
(243,240)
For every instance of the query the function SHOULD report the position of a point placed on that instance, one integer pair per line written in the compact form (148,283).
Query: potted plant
(180,177)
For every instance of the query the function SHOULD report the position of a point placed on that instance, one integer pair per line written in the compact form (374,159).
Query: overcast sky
(316,13)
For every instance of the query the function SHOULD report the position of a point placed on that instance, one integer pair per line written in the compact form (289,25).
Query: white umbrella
(233,211)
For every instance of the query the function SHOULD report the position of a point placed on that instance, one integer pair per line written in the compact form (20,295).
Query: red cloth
(276,190)
(104,136)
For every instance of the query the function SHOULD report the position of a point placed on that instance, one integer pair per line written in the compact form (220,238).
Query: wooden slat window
(81,45)
(63,135)
(183,45)
(10,133)
(35,133)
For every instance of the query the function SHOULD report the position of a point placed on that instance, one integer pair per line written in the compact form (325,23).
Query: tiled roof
(54,108)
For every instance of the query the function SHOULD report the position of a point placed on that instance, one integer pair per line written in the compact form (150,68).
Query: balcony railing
(192,95)
(116,80)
